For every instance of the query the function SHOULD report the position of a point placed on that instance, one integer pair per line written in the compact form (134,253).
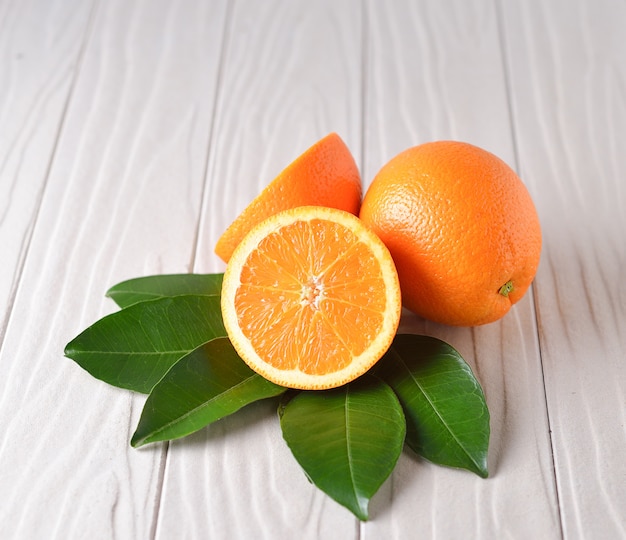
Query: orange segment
(324,175)
(311,298)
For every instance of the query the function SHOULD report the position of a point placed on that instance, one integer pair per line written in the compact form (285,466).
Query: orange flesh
(304,304)
(324,175)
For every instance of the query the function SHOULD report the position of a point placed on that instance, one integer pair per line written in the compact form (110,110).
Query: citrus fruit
(324,175)
(311,298)
(461,228)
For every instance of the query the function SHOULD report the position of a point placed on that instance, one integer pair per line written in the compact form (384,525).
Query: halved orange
(324,175)
(311,298)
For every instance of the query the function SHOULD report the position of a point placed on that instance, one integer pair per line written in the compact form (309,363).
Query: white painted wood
(290,76)
(435,71)
(131,134)
(122,199)
(568,69)
(40,44)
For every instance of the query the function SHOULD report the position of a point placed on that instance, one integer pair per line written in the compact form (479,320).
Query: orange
(324,175)
(462,230)
(311,298)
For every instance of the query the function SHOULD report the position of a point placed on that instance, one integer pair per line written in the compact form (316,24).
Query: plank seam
(506,68)
(4,324)
(507,82)
(364,81)
(154,529)
(159,489)
(216,100)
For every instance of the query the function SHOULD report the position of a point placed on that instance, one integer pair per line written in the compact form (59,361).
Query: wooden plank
(108,179)
(568,70)
(435,71)
(302,82)
(40,43)
(122,199)
(291,75)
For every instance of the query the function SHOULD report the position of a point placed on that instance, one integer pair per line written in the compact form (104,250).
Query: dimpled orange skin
(462,230)
(324,175)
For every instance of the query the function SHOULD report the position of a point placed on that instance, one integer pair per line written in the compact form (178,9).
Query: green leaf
(347,440)
(131,291)
(446,413)
(135,347)
(204,386)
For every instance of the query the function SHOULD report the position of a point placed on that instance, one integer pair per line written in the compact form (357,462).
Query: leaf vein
(437,413)
(199,408)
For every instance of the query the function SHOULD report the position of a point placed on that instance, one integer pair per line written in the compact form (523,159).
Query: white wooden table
(132,132)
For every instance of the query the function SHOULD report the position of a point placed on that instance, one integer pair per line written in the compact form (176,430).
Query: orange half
(324,175)
(311,298)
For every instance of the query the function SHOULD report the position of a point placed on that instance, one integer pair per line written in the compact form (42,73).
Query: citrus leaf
(136,346)
(136,290)
(347,440)
(446,413)
(209,383)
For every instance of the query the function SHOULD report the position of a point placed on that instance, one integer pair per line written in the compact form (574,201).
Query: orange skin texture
(324,175)
(459,224)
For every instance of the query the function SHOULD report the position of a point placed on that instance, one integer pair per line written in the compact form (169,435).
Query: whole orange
(462,230)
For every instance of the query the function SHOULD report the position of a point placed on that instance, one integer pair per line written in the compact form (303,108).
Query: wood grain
(435,71)
(122,200)
(291,75)
(132,132)
(40,47)
(567,82)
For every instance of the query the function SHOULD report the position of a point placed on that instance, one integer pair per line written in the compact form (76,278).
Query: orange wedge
(324,175)
(311,298)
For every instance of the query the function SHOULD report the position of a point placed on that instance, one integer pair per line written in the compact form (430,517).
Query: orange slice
(311,298)
(324,175)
